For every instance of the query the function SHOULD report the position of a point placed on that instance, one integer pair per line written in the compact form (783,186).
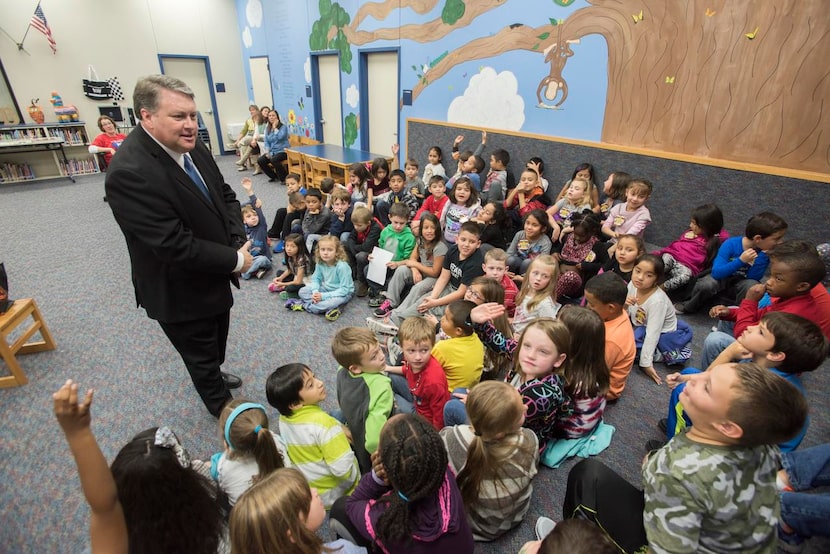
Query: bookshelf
(31,152)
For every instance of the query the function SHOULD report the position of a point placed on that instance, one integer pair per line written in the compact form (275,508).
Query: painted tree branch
(423,32)
(381,10)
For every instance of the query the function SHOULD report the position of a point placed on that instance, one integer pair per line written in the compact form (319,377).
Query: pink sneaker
(273,287)
(384,309)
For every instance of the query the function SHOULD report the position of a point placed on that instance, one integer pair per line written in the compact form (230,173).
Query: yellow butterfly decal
(710,12)
(670,80)
(753,34)
(637,17)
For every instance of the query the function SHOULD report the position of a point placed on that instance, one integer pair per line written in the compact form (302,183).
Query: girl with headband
(252,450)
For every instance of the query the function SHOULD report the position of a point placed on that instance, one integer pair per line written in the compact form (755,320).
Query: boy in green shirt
(397,238)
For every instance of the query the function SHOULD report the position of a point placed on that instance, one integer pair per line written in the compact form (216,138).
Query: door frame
(220,139)
(319,129)
(363,83)
(270,80)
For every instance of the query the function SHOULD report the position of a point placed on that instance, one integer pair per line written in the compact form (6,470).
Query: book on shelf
(10,172)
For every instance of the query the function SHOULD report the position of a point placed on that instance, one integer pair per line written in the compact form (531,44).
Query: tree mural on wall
(744,81)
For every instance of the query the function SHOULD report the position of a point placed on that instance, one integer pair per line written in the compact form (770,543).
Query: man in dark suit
(183,229)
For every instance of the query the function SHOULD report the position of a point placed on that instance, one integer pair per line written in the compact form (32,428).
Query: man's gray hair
(146,93)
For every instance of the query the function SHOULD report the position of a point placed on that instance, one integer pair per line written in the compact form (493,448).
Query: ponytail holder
(403,496)
(477,433)
(257,429)
(245,406)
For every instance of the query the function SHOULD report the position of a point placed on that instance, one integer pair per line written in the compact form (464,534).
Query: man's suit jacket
(183,248)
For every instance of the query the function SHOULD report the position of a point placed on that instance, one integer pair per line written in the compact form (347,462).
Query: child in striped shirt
(316,443)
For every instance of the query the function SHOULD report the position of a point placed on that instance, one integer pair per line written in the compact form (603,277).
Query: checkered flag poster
(115,88)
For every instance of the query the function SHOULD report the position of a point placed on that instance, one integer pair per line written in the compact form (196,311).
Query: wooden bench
(17,315)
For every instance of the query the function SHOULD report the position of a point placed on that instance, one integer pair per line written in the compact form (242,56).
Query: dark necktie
(190,169)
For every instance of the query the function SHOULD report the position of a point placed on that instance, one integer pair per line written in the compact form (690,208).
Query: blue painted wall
(497,92)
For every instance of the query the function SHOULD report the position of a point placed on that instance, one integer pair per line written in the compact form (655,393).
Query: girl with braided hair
(495,457)
(409,502)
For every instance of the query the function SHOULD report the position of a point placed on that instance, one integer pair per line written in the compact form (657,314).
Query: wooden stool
(11,320)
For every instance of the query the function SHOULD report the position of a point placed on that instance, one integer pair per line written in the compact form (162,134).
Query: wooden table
(338,157)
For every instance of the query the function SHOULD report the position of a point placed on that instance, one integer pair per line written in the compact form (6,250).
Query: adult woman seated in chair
(108,141)
(275,143)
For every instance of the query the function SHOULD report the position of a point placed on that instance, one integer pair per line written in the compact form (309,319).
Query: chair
(319,170)
(307,172)
(295,163)
(305,141)
(18,314)
(294,140)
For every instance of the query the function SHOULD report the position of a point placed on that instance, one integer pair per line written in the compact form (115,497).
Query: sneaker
(261,272)
(655,445)
(544,526)
(333,314)
(295,305)
(273,287)
(663,425)
(285,295)
(384,309)
(257,171)
(376,300)
(790,543)
(680,308)
(361,288)
(394,350)
(242,168)
(381,327)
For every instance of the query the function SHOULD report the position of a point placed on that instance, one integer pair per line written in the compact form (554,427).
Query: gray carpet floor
(62,247)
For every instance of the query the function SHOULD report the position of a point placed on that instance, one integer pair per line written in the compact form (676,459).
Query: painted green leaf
(535,46)
(324,7)
(350,124)
(339,16)
(543,36)
(453,11)
(317,38)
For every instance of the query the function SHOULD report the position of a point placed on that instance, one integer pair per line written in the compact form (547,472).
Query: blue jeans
(260,262)
(809,468)
(322,306)
(518,265)
(455,411)
(402,394)
(714,343)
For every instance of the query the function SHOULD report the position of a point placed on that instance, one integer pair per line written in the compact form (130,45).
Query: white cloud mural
(307,70)
(490,100)
(247,39)
(253,13)
(352,96)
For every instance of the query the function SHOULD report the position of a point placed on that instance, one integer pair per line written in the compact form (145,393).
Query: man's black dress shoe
(231,380)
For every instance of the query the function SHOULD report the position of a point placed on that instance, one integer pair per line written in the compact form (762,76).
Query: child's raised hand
(248,185)
(748,256)
(756,292)
(258,203)
(484,137)
(486,312)
(458,140)
(72,417)
(395,149)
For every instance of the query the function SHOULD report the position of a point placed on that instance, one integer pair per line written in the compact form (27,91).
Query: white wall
(122,39)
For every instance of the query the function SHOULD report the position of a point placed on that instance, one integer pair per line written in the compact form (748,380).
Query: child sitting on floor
(252,450)
(494,458)
(658,333)
(331,286)
(290,280)
(315,442)
(257,231)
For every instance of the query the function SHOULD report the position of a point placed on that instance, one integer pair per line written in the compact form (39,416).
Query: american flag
(39,23)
